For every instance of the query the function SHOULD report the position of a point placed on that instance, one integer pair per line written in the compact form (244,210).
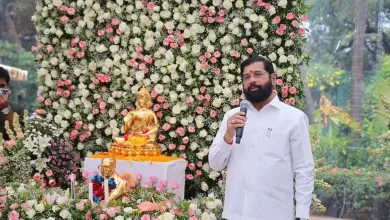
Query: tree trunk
(357,66)
(309,103)
(8,28)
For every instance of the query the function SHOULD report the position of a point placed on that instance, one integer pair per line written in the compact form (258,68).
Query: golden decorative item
(141,130)
(108,170)
(328,110)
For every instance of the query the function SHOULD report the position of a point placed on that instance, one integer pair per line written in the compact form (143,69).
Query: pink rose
(191,166)
(88,216)
(100,33)
(191,129)
(115,21)
(283,27)
(279,31)
(85,127)
(180,131)
(111,212)
(80,54)
(293,35)
(63,8)
(47,102)
(25,206)
(292,90)
(82,138)
(198,172)
(66,93)
(146,185)
(159,114)
(165,106)
(284,94)
(132,184)
(295,23)
(150,6)
(156,107)
(236,54)
(85,173)
(213,113)
(186,140)
(80,206)
(287,101)
(217,71)
(95,111)
(190,177)
(49,48)
(149,59)
(199,164)
(290,16)
(284,89)
(125,200)
(159,188)
(153,179)
(103,217)
(37,176)
(164,183)
(182,147)
(13,215)
(71,11)
(40,99)
(154,93)
(124,112)
(189,100)
(68,82)
(83,45)
(49,173)
(34,48)
(267,5)
(87,134)
(277,20)
(43,183)
(279,82)
(249,50)
(19,134)
(175,186)
(166,126)
(138,176)
(199,110)
(217,54)
(304,17)
(64,19)
(302,31)
(207,55)
(292,101)
(171,147)
(244,42)
(145,217)
(220,19)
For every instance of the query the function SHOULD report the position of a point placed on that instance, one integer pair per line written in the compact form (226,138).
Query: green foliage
(358,194)
(14,55)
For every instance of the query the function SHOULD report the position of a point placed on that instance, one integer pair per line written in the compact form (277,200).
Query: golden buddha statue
(108,170)
(141,130)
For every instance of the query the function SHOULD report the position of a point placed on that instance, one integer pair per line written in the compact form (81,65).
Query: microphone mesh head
(244,103)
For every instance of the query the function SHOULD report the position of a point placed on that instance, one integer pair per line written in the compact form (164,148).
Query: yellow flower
(310,85)
(322,88)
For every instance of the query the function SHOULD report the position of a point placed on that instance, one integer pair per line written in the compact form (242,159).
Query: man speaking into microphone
(264,150)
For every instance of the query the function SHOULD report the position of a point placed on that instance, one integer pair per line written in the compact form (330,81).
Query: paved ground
(325,218)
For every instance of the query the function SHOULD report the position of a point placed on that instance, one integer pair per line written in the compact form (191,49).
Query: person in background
(275,149)
(7,108)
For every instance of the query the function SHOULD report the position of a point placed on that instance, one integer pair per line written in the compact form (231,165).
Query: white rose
(282,3)
(227,4)
(128,210)
(61,200)
(272,57)
(272,10)
(119,218)
(195,49)
(57,3)
(282,59)
(31,213)
(65,214)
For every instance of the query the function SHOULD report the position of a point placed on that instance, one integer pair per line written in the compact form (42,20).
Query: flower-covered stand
(172,171)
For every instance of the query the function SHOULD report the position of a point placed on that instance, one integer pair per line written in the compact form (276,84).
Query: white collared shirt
(260,170)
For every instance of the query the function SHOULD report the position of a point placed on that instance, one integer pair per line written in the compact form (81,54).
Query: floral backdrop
(94,55)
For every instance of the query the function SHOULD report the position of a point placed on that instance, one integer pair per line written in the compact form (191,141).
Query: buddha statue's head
(144,100)
(107,167)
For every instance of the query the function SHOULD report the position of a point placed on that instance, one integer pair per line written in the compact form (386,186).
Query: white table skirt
(173,172)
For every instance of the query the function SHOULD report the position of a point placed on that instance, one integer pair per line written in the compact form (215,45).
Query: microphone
(240,131)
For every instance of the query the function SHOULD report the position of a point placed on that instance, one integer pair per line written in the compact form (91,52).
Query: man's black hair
(267,64)
(4,75)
